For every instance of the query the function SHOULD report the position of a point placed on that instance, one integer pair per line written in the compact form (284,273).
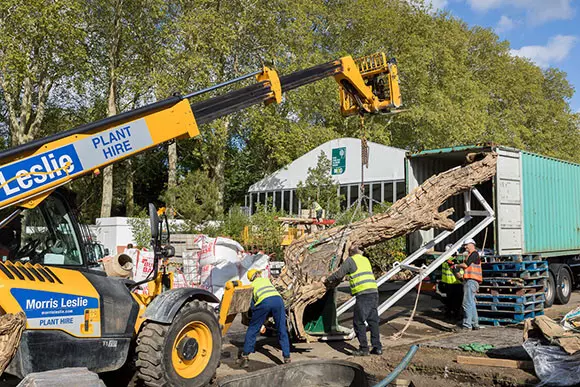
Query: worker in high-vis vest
(452,285)
(363,286)
(317,210)
(472,277)
(266,301)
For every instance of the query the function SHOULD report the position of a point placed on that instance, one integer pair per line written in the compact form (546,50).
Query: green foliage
(320,186)
(141,229)
(235,223)
(383,255)
(41,45)
(196,199)
(460,85)
(266,232)
(355,213)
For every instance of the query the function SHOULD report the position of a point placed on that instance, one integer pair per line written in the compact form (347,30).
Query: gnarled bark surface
(11,327)
(312,257)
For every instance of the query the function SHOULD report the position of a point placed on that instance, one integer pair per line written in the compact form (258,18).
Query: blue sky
(545,31)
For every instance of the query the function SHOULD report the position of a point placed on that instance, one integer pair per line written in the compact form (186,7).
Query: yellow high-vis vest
(263,289)
(362,278)
(447,276)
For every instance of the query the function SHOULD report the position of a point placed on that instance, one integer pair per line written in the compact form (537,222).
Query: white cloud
(537,11)
(557,49)
(505,24)
(484,5)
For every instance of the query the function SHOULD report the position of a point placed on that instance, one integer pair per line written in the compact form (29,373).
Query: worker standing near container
(471,280)
(364,287)
(265,301)
(451,279)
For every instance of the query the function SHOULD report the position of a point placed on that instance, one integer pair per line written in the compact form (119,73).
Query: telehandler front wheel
(185,353)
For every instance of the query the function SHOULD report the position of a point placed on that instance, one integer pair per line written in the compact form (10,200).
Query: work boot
(244,361)
(287,360)
(360,352)
(376,351)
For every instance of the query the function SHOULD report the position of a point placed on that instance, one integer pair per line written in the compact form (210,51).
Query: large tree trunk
(312,257)
(11,328)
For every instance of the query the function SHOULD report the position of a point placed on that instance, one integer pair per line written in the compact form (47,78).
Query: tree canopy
(60,61)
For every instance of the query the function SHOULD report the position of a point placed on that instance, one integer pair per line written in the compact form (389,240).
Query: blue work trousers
(260,313)
(470,288)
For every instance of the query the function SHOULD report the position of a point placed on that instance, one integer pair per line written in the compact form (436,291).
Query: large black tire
(563,285)
(156,343)
(550,290)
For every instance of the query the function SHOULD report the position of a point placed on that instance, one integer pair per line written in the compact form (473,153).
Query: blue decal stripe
(38,303)
(37,171)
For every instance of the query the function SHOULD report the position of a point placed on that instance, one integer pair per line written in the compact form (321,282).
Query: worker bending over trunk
(363,286)
(265,301)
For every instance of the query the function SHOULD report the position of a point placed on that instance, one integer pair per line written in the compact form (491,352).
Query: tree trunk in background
(129,194)
(214,153)
(172,173)
(26,113)
(220,181)
(312,257)
(107,198)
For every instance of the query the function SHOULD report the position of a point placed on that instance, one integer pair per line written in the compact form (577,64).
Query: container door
(509,202)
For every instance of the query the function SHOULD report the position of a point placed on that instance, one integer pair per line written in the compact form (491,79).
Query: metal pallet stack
(513,289)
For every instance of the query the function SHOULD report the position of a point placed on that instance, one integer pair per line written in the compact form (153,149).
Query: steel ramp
(488,217)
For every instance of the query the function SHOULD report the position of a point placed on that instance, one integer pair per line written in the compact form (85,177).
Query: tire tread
(150,347)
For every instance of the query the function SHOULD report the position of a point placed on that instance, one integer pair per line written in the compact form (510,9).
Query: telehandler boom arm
(30,172)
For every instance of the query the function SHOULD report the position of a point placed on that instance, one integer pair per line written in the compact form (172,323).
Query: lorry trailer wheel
(185,353)
(563,286)
(550,290)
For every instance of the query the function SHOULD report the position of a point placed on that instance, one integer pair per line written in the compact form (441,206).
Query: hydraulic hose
(398,369)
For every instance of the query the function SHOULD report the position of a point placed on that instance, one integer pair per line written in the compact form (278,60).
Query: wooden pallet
(509,307)
(514,266)
(514,298)
(507,317)
(514,282)
(513,290)
(511,258)
(525,274)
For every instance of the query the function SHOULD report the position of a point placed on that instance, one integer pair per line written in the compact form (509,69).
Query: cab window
(44,234)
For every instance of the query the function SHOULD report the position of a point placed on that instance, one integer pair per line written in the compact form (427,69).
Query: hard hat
(252,274)
(468,241)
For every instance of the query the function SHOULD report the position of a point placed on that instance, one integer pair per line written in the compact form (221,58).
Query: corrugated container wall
(551,201)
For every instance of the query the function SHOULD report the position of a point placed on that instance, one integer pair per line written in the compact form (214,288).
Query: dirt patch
(437,366)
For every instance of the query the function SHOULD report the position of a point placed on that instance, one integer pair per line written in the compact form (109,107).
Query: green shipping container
(551,204)
(535,199)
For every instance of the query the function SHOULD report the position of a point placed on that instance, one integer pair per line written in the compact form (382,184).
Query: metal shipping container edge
(535,199)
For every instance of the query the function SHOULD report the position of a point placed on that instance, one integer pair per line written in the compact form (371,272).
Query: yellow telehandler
(76,316)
